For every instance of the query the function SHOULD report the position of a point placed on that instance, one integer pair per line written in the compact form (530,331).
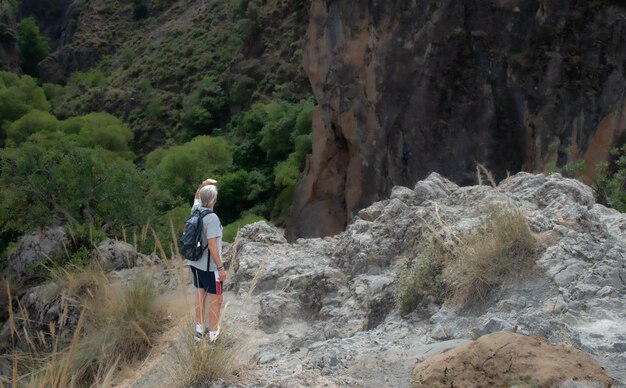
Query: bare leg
(200,305)
(215,304)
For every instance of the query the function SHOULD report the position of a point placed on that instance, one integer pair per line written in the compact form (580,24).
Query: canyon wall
(410,87)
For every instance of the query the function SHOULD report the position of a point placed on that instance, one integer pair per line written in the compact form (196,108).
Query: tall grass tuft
(122,326)
(502,246)
(201,362)
(466,273)
(117,326)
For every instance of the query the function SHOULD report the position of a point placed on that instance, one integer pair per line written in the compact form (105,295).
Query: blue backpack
(190,241)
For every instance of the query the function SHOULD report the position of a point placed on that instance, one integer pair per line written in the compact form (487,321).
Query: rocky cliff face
(79,32)
(410,87)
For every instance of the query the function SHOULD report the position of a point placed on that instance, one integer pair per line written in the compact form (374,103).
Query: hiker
(208,272)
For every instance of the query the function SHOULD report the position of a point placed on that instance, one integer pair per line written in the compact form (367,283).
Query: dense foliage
(81,171)
(33,46)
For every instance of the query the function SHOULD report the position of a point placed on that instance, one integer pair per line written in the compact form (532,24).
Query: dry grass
(502,246)
(480,170)
(466,273)
(202,362)
(117,326)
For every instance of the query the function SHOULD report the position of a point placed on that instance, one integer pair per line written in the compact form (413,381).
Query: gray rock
(433,187)
(372,212)
(405,195)
(441,332)
(115,255)
(337,293)
(32,250)
(496,324)
(41,307)
(274,308)
(265,356)
(261,232)
(443,315)
(435,348)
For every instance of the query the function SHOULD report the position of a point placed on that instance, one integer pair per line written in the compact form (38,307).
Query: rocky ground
(320,312)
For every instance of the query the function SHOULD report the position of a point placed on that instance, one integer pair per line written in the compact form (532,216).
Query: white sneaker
(214,334)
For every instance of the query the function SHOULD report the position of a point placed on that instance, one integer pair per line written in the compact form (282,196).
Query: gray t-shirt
(212,228)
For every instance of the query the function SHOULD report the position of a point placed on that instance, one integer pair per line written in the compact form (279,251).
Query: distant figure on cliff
(208,273)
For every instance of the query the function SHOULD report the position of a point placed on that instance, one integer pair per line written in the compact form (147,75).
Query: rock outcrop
(406,88)
(116,255)
(32,250)
(326,305)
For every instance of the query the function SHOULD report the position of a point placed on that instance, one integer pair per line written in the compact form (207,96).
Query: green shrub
(205,108)
(574,169)
(414,280)
(33,46)
(51,182)
(32,122)
(610,182)
(155,109)
(52,91)
(230,231)
(88,79)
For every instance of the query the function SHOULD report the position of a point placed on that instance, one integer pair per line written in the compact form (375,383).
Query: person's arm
(206,182)
(216,257)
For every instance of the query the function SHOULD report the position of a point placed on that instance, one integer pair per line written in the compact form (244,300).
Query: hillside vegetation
(183,90)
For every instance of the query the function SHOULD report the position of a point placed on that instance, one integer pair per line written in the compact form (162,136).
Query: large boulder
(115,255)
(505,359)
(33,249)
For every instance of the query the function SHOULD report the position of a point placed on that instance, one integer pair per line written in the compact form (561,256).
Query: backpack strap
(202,214)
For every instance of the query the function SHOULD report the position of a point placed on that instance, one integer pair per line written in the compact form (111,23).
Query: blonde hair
(208,195)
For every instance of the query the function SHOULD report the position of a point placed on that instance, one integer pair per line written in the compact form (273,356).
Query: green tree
(51,182)
(106,131)
(180,169)
(32,122)
(205,108)
(18,95)
(233,195)
(284,123)
(33,46)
